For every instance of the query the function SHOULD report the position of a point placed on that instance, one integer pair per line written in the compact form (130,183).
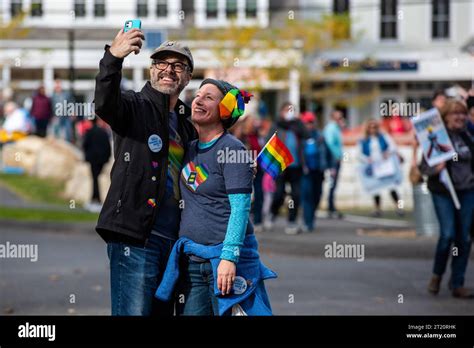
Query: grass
(42,191)
(35,189)
(46,215)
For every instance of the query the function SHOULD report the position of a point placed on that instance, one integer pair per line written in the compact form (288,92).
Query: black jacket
(138,174)
(96,145)
(297,127)
(458,171)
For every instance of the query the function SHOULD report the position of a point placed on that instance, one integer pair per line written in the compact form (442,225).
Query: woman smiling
(216,259)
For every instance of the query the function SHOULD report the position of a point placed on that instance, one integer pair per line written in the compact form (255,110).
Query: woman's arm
(237,226)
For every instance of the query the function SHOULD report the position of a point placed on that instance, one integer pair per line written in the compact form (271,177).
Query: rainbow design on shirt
(175,161)
(194,175)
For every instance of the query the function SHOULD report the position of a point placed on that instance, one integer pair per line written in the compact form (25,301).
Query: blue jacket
(252,296)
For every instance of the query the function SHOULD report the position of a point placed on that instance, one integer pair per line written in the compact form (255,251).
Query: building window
(15,7)
(36,8)
(388,23)
(142,8)
(440,19)
(340,6)
(211,8)
(162,8)
(251,8)
(99,8)
(80,8)
(231,8)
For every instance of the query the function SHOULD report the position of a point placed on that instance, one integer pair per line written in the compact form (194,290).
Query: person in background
(333,137)
(292,133)
(374,147)
(41,111)
(269,189)
(17,123)
(62,123)
(439,99)
(254,139)
(97,152)
(470,109)
(16,119)
(316,161)
(455,225)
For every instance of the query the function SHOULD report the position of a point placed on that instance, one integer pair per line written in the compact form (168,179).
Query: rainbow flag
(274,157)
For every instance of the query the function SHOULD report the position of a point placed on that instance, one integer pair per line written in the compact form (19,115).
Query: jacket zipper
(164,161)
(119,202)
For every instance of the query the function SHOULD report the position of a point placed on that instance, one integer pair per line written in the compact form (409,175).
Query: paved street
(75,263)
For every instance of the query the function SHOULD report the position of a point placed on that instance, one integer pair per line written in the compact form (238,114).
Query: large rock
(43,157)
(23,153)
(79,186)
(57,159)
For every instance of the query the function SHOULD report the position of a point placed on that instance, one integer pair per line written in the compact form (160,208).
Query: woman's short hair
(453,105)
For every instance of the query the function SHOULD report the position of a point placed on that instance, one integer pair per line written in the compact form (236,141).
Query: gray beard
(167,90)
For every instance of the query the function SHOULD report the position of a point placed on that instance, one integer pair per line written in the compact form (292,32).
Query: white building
(415,47)
(44,52)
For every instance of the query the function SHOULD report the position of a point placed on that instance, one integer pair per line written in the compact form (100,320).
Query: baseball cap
(308,117)
(174,47)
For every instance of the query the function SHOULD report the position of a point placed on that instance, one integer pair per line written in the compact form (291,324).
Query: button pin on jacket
(154,164)
(155,143)
(240,285)
(151,202)
(153,178)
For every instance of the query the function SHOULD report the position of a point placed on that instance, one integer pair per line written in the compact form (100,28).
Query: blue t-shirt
(168,215)
(209,175)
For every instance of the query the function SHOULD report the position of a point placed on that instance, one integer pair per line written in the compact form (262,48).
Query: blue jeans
(332,188)
(311,187)
(455,228)
(135,273)
(196,289)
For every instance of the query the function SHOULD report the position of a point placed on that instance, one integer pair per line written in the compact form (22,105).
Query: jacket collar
(158,98)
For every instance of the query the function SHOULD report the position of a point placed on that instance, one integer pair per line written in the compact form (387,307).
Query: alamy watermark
(393,108)
(345,251)
(19,251)
(69,109)
(236,156)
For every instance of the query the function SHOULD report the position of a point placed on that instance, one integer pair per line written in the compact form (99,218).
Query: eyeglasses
(176,66)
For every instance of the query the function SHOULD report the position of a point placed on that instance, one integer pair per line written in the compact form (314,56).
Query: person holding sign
(455,224)
(376,151)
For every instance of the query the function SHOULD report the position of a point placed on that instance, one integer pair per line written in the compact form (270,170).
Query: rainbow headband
(233,104)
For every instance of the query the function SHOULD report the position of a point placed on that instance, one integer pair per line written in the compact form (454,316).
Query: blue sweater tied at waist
(248,291)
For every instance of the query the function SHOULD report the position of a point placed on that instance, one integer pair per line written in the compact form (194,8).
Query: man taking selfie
(140,216)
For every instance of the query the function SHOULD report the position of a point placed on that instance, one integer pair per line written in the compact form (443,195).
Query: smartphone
(132,23)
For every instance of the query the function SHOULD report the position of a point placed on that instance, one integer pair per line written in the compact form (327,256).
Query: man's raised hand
(125,43)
